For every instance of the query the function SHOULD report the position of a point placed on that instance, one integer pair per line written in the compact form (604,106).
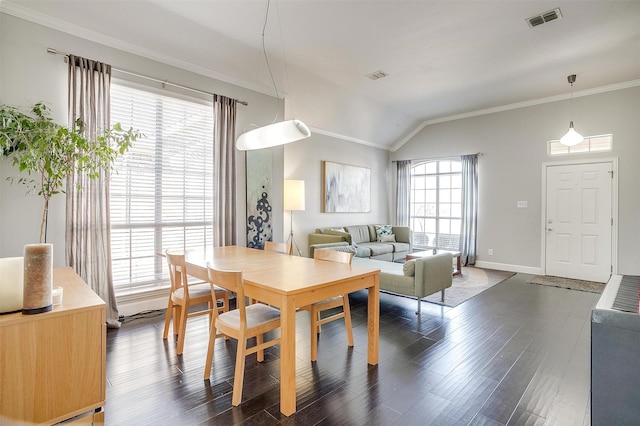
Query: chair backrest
(231,281)
(277,247)
(177,271)
(333,256)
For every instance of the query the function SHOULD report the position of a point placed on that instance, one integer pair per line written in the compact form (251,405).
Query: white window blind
(436,204)
(161,192)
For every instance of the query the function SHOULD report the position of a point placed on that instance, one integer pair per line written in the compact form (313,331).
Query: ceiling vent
(545,17)
(377,75)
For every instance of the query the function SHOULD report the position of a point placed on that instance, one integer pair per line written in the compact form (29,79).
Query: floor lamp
(293,200)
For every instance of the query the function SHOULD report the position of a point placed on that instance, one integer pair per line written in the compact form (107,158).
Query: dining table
(288,283)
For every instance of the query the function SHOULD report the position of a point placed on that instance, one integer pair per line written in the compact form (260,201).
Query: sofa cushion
(382,230)
(398,247)
(409,268)
(377,248)
(388,238)
(359,233)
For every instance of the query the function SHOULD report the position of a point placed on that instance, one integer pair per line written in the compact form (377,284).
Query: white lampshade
(294,195)
(571,138)
(272,135)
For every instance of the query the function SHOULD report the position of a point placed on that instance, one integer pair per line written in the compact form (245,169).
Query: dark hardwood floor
(517,354)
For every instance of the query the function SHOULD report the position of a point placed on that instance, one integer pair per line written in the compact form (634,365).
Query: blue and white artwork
(259,215)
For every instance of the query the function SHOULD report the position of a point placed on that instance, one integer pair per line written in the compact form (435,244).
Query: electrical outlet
(522,204)
(490,252)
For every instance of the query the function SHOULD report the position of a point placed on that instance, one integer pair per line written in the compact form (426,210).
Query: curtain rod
(157,80)
(479,154)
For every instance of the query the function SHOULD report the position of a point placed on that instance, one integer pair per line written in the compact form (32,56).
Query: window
(162,190)
(589,144)
(436,204)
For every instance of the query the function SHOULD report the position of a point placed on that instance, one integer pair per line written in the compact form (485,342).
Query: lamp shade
(571,138)
(274,134)
(294,195)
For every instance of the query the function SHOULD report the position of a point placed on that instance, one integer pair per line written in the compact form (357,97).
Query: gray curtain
(224,171)
(468,234)
(403,192)
(87,238)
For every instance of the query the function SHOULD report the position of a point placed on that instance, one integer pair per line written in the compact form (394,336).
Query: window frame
(417,242)
(155,276)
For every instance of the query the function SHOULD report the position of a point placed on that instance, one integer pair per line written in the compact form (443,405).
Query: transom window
(162,191)
(600,143)
(436,204)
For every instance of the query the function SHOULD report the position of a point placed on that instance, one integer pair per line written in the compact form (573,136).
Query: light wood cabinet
(52,365)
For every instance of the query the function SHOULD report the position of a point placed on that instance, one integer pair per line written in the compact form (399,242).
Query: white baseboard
(534,270)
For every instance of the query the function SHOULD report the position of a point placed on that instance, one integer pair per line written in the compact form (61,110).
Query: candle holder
(38,278)
(11,284)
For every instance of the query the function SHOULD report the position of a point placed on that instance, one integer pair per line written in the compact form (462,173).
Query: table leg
(373,321)
(287,357)
(458,270)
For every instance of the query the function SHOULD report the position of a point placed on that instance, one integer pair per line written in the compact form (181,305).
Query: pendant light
(276,133)
(571,138)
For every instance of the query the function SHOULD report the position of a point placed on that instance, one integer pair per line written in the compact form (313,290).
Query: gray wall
(29,74)
(303,160)
(514,147)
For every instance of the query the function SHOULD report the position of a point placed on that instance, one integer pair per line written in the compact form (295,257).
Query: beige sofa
(365,241)
(415,278)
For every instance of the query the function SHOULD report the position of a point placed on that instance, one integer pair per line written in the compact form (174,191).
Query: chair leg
(260,352)
(347,318)
(184,313)
(167,319)
(212,342)
(442,295)
(314,334)
(238,377)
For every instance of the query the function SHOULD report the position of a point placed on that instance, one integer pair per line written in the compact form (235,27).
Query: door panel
(578,219)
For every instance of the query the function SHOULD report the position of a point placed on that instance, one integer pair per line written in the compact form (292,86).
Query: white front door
(579,221)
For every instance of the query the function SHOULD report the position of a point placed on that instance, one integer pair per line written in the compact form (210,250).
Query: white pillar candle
(11,269)
(38,278)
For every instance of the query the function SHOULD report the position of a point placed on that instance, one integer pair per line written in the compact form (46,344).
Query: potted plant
(48,152)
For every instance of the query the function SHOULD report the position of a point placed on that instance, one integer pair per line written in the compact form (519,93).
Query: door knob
(549,229)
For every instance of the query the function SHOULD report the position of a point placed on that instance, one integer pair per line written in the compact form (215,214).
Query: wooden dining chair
(242,324)
(317,308)
(184,295)
(277,247)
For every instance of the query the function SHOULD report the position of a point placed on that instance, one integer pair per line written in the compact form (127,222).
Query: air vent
(551,15)
(377,75)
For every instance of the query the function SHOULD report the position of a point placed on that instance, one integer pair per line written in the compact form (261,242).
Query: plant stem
(44,218)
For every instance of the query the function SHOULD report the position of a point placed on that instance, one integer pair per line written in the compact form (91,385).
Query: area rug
(472,282)
(590,286)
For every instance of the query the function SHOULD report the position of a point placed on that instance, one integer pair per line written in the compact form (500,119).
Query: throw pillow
(388,238)
(409,268)
(382,230)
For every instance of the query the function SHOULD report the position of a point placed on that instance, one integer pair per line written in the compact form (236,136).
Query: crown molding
(517,105)
(345,138)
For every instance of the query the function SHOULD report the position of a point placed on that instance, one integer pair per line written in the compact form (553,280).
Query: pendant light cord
(264,52)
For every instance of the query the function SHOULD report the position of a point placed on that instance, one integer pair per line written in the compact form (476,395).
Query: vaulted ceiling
(442,58)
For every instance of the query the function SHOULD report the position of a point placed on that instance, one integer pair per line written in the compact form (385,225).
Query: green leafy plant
(48,152)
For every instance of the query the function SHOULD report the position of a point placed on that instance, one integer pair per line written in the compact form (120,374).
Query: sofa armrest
(433,273)
(340,245)
(402,233)
(324,239)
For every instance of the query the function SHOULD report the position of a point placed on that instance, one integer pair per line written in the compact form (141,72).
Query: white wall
(514,147)
(29,74)
(303,160)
